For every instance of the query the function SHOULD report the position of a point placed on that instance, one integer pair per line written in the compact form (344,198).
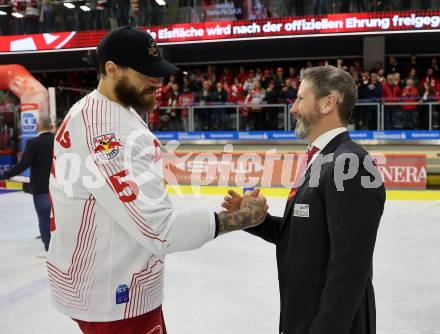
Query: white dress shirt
(322,141)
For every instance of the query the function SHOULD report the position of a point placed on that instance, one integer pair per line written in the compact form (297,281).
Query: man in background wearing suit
(38,156)
(325,240)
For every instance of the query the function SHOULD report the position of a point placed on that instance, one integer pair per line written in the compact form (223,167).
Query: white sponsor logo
(301,210)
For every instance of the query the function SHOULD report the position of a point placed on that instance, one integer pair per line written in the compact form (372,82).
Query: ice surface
(230,285)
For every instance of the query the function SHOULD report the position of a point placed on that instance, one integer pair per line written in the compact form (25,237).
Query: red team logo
(106,146)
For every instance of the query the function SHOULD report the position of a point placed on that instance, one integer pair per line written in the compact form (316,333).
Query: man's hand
(249,210)
(233,200)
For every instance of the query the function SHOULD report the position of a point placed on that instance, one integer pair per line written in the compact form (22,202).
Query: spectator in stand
(174,113)
(210,74)
(226,75)
(356,77)
(381,75)
(363,87)
(258,74)
(227,86)
(409,94)
(279,79)
(242,75)
(236,94)
(198,79)
(154,117)
(413,64)
(391,94)
(188,84)
(398,81)
(249,84)
(340,63)
(272,97)
(393,66)
(220,96)
(294,77)
(357,66)
(375,88)
(359,114)
(173,79)
(166,93)
(413,76)
(204,98)
(431,79)
(376,66)
(266,79)
(186,99)
(154,120)
(256,113)
(288,92)
(429,95)
(370,90)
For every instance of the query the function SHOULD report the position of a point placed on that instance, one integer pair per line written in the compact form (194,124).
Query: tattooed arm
(251,212)
(268,230)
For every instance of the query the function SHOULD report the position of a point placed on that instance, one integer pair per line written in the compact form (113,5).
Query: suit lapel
(329,148)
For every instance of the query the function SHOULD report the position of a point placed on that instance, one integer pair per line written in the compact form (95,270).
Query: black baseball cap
(134,48)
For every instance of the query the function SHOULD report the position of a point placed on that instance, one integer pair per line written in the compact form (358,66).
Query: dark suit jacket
(38,156)
(325,247)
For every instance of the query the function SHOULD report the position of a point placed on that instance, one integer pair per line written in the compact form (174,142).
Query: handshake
(242,212)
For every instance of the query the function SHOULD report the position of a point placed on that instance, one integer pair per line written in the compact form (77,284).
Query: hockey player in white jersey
(112,222)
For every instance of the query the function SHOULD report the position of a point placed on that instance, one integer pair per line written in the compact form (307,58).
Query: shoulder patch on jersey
(106,147)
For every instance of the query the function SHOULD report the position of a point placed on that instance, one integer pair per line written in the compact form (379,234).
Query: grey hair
(45,122)
(326,79)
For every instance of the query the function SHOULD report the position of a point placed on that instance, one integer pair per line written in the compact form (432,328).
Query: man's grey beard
(302,128)
(305,124)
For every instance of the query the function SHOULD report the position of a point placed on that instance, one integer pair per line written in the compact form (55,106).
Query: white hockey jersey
(112,221)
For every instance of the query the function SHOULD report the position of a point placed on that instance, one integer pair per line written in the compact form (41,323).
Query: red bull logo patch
(106,146)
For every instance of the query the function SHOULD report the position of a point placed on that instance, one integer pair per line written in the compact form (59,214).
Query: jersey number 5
(120,186)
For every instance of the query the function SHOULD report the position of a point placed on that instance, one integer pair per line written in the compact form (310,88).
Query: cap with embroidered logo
(134,48)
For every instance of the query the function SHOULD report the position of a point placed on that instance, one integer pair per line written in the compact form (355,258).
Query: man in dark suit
(38,156)
(326,237)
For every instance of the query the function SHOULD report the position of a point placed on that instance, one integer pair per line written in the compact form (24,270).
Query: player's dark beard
(130,96)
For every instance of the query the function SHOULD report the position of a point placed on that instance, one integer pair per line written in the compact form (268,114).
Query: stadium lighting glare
(85,8)
(17,15)
(3,13)
(161,2)
(69,5)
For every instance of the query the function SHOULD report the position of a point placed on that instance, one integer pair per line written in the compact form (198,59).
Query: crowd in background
(43,16)
(263,91)
(254,87)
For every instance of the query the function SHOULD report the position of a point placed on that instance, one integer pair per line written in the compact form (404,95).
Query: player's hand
(232,200)
(256,202)
(247,211)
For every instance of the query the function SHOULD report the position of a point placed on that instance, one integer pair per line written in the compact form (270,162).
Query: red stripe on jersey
(73,288)
(131,307)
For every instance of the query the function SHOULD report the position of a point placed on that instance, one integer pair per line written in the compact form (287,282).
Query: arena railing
(287,117)
(237,109)
(399,109)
